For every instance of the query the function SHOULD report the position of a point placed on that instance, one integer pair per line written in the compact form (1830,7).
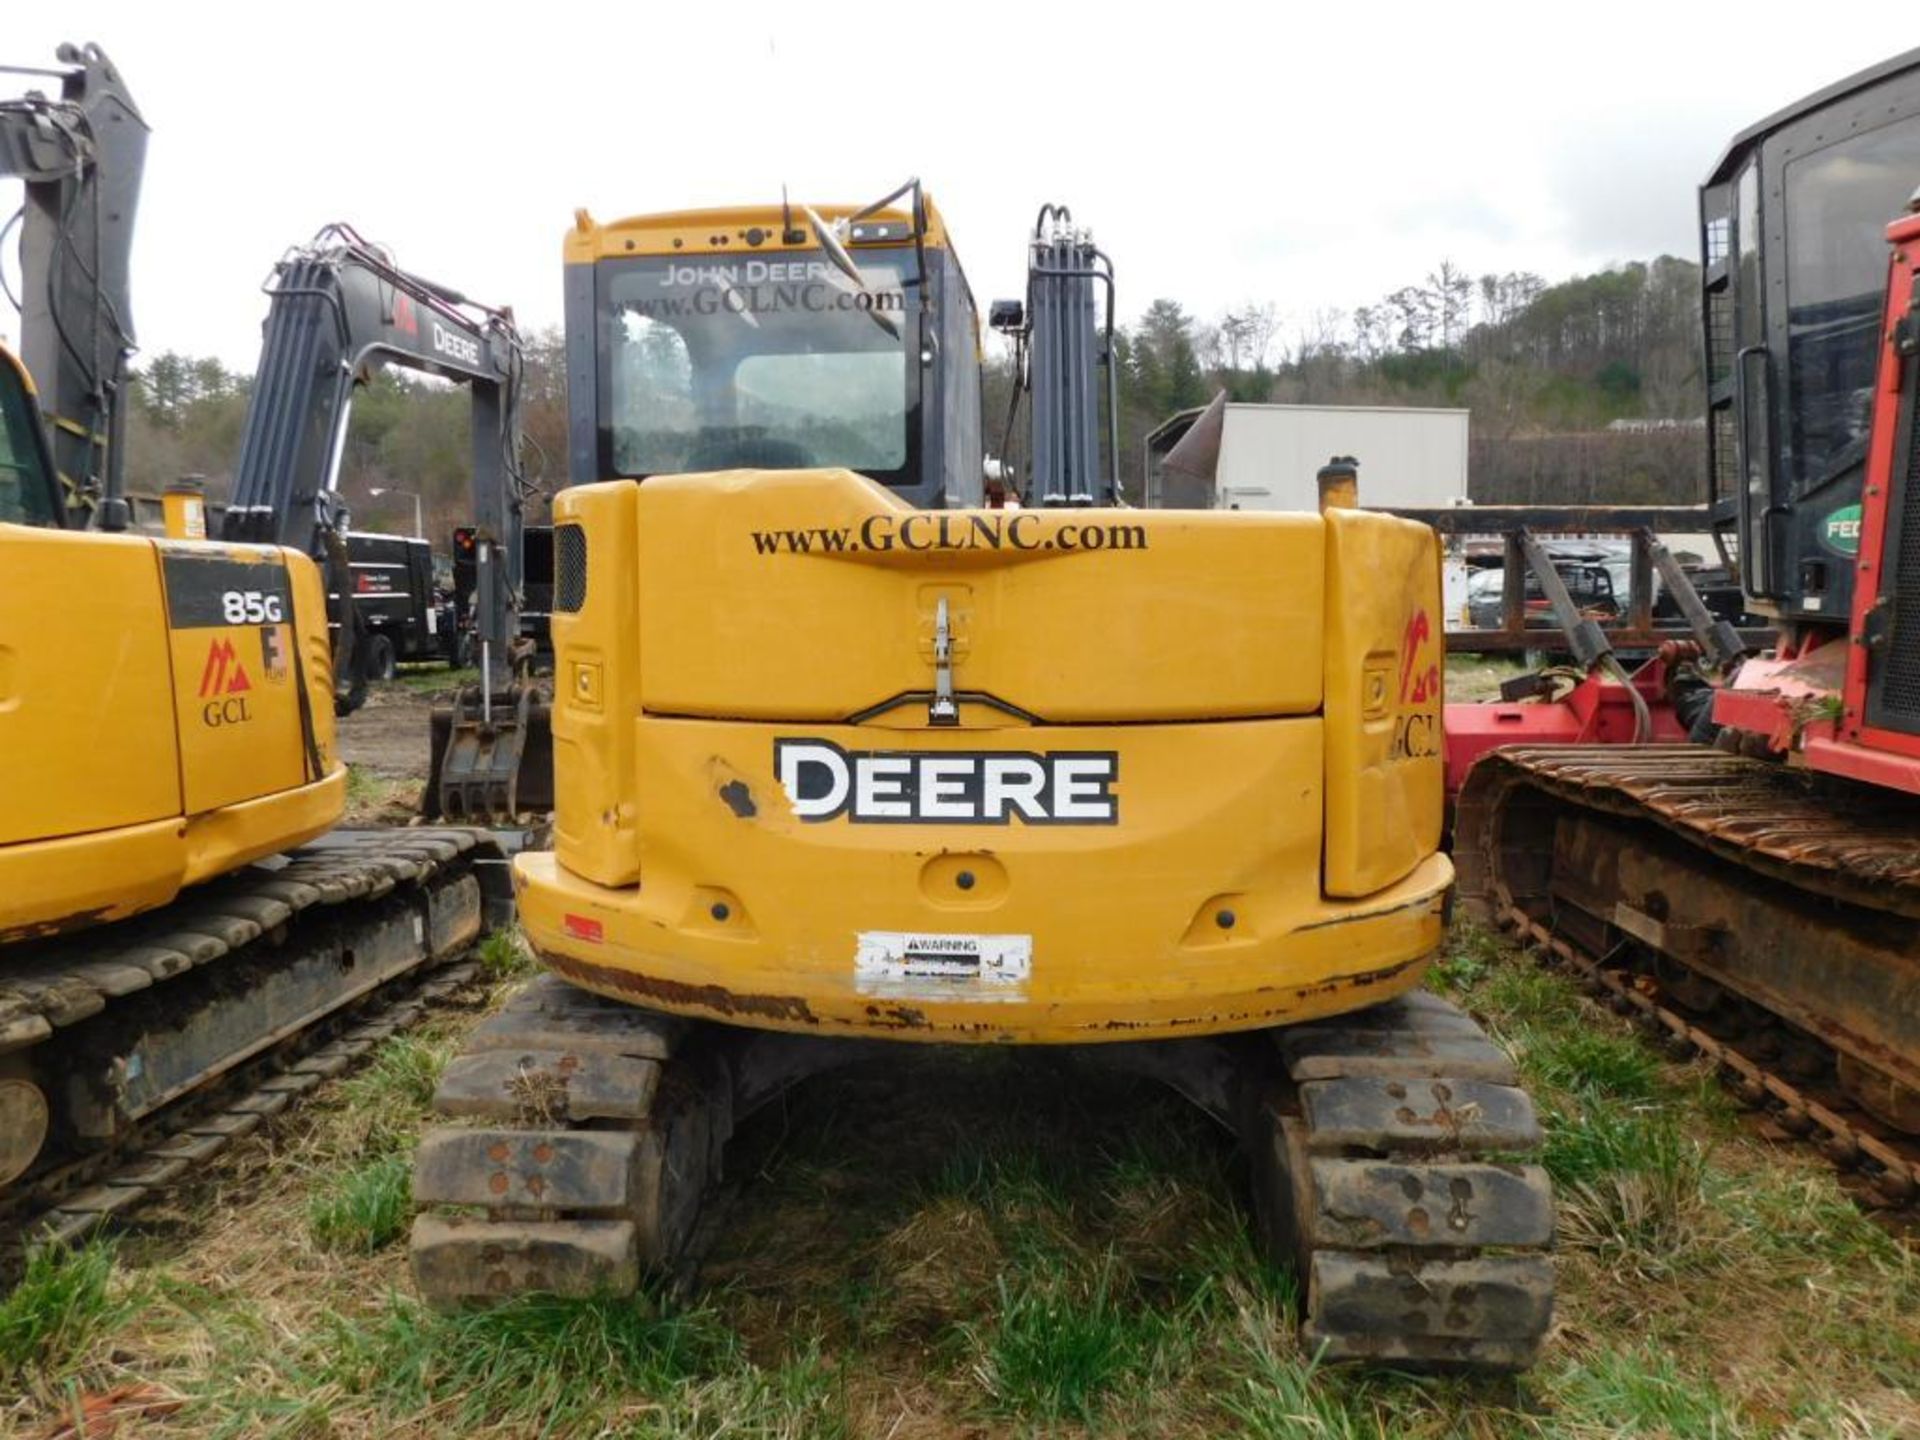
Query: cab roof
(737,229)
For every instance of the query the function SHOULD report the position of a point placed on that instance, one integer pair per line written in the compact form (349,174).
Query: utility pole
(419,529)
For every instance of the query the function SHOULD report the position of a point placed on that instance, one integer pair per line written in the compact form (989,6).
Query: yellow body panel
(737,621)
(83,659)
(723,229)
(1385,640)
(756,822)
(151,730)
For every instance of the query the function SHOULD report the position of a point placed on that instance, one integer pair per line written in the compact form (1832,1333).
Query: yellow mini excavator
(845,756)
(178,915)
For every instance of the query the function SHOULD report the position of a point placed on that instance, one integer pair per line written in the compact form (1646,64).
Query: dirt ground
(387,737)
(387,747)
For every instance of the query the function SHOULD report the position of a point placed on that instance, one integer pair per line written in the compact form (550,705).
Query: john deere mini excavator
(172,906)
(843,758)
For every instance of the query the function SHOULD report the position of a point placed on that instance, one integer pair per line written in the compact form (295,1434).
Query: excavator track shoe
(1386,1171)
(460,1259)
(1691,890)
(593,1163)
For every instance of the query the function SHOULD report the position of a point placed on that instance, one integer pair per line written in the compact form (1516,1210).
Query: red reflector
(581,928)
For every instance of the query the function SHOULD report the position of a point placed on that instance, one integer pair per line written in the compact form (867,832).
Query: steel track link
(155,1042)
(1756,838)
(1889,1162)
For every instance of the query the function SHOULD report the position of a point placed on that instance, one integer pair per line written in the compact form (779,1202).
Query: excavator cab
(1794,268)
(29,493)
(719,341)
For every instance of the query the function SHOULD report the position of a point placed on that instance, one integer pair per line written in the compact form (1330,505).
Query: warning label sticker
(917,965)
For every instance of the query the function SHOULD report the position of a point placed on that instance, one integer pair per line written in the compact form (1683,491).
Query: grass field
(979,1243)
(1478,677)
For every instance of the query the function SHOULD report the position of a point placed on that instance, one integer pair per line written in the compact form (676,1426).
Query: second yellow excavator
(177,911)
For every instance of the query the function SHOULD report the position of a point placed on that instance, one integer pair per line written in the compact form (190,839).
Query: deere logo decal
(948,787)
(1840,531)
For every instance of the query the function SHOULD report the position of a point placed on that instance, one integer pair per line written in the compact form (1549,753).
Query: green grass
(403,1071)
(503,956)
(1060,1345)
(434,679)
(370,796)
(538,1362)
(364,787)
(63,1302)
(1642,1391)
(366,1208)
(1623,1146)
(938,1243)
(1478,677)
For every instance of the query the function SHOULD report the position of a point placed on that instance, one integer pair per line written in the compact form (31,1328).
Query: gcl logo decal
(1417,686)
(223,685)
(1416,734)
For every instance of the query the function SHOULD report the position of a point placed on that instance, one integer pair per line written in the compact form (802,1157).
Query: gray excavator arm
(81,156)
(340,310)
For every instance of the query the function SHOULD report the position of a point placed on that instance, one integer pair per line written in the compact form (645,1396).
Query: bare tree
(1451,289)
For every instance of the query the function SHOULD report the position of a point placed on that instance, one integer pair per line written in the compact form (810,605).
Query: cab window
(26,488)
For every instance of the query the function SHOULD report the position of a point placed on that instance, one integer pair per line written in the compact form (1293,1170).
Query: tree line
(1535,363)
(1544,369)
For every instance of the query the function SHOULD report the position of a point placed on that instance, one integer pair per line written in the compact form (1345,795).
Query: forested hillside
(1545,369)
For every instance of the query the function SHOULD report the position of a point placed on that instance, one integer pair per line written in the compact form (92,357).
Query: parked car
(1589,582)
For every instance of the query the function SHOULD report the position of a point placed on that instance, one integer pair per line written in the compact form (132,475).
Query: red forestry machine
(1756,896)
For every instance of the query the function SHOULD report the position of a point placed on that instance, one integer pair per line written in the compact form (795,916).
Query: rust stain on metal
(899,1017)
(1360,979)
(48,929)
(717,998)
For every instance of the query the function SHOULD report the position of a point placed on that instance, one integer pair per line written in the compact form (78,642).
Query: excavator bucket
(490,762)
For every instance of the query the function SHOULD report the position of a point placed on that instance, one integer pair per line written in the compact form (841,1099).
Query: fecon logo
(1840,531)
(223,685)
(948,787)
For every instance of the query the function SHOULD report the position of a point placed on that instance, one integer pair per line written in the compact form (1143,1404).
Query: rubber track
(1393,1178)
(585,1136)
(1755,815)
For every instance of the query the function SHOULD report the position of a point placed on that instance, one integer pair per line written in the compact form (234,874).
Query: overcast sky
(1313,155)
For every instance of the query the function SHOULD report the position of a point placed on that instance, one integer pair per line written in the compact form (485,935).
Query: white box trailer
(1269,455)
(1233,456)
